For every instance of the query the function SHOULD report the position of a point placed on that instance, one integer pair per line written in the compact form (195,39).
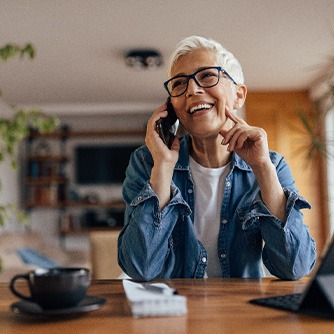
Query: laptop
(318,296)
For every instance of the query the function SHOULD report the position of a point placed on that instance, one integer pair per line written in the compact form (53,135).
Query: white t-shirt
(209,186)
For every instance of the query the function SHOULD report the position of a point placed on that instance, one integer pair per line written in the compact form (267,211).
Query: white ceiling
(81,44)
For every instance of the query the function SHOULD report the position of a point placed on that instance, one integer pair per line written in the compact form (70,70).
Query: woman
(217,203)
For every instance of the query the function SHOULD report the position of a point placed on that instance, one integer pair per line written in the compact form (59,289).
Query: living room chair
(103,247)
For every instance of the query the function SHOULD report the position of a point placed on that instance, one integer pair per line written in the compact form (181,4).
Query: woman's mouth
(199,107)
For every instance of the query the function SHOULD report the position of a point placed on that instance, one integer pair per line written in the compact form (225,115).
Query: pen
(157,289)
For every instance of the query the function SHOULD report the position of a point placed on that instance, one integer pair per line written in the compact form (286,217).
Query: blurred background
(87,71)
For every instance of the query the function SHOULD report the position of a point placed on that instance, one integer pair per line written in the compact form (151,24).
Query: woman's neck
(209,152)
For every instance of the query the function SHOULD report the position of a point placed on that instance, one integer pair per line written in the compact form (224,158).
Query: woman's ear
(240,96)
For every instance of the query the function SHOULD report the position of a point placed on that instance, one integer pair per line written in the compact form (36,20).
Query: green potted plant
(15,128)
(314,122)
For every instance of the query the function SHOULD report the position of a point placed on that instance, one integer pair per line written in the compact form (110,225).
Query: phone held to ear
(167,127)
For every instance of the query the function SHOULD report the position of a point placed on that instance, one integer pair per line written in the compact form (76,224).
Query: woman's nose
(193,88)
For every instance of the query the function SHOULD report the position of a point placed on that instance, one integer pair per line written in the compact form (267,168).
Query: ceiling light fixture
(143,58)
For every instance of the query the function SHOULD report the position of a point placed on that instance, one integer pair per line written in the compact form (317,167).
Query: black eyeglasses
(205,77)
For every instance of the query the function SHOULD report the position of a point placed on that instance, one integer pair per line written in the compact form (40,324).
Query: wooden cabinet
(69,224)
(45,180)
(46,183)
(277,113)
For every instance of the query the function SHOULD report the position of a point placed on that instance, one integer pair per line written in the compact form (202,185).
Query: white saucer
(89,303)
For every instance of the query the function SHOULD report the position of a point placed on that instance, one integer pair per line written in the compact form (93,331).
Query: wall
(277,113)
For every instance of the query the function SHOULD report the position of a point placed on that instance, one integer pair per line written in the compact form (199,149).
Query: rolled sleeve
(145,246)
(289,251)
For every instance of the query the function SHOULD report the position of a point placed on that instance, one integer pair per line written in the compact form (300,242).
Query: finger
(159,113)
(152,134)
(232,133)
(236,137)
(231,139)
(234,117)
(242,138)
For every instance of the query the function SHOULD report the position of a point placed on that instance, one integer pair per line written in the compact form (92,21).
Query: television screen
(102,164)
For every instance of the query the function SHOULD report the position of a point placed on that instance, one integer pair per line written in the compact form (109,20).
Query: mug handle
(12,286)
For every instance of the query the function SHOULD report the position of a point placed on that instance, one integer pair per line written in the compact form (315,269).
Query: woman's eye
(207,75)
(177,83)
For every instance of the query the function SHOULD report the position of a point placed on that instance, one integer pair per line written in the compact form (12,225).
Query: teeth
(199,106)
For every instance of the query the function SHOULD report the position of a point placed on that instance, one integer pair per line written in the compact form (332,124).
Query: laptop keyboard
(286,302)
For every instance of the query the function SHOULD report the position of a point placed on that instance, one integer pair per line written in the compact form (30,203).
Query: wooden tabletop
(214,306)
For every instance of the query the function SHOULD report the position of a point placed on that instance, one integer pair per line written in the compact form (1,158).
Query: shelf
(45,180)
(116,204)
(30,205)
(48,157)
(106,133)
(87,133)
(87,230)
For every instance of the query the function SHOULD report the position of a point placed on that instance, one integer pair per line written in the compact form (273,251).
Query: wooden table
(214,306)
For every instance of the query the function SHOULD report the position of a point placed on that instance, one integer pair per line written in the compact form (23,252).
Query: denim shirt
(158,243)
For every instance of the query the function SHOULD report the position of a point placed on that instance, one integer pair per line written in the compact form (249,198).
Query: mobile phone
(167,127)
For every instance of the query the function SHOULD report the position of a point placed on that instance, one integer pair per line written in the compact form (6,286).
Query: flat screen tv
(102,164)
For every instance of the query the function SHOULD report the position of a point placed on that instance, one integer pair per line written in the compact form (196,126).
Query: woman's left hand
(249,142)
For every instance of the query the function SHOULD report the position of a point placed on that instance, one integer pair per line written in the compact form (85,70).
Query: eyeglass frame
(193,76)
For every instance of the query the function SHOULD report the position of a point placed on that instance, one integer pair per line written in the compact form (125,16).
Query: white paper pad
(146,303)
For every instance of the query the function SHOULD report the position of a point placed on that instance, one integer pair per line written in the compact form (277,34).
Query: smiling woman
(217,202)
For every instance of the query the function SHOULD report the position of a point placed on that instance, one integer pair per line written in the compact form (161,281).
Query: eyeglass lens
(205,78)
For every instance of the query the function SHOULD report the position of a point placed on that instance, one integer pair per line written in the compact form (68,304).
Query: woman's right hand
(160,152)
(163,157)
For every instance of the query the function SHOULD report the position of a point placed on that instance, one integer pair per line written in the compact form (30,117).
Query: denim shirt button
(224,221)
(223,255)
(139,198)
(204,259)
(228,183)
(190,191)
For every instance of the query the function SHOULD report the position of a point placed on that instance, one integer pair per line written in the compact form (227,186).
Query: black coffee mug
(54,288)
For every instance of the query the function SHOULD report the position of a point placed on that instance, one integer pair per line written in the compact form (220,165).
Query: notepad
(154,300)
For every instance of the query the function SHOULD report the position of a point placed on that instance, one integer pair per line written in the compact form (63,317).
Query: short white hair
(225,58)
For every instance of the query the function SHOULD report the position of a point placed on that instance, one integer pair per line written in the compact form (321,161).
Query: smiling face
(202,110)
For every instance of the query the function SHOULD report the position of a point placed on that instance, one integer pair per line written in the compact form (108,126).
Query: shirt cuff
(294,202)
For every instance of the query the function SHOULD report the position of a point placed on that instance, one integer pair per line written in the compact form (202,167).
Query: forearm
(143,246)
(289,251)
(272,193)
(160,182)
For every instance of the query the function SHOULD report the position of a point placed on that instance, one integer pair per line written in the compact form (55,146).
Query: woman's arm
(251,144)
(289,250)
(163,157)
(142,244)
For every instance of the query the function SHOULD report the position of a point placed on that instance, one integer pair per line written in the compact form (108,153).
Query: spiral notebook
(154,300)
